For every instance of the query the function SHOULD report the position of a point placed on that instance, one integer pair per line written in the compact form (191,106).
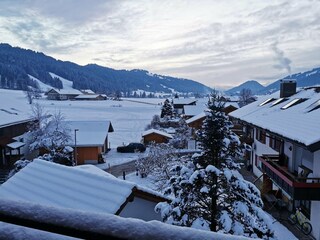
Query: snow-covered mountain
(17,65)
(304,79)
(253,85)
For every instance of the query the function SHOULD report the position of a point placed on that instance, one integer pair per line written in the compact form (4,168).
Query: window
(266,101)
(313,106)
(278,101)
(261,136)
(293,102)
(275,143)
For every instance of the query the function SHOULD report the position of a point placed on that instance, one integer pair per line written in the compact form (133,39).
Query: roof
(14,108)
(15,145)
(66,91)
(183,101)
(197,117)
(192,110)
(233,104)
(297,122)
(150,131)
(89,133)
(54,184)
(87,91)
(88,96)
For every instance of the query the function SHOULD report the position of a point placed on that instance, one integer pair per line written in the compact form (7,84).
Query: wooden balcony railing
(299,188)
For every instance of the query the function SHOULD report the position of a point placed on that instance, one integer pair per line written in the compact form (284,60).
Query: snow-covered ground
(129,119)
(281,232)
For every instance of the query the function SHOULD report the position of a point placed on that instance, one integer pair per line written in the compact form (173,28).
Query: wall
(87,153)
(260,148)
(315,205)
(141,209)
(154,138)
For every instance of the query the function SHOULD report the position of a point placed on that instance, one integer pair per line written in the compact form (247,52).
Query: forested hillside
(16,63)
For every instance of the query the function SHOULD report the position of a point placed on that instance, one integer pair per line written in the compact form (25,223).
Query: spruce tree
(209,191)
(167,109)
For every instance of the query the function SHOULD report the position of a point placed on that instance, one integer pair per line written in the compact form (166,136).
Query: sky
(218,43)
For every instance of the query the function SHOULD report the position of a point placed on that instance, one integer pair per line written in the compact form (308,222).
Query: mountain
(305,79)
(253,85)
(17,65)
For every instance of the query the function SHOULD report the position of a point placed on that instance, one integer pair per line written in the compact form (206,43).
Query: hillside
(17,65)
(305,79)
(253,85)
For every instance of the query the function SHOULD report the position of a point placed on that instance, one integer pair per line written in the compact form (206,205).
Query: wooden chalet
(91,97)
(156,136)
(89,140)
(178,104)
(62,94)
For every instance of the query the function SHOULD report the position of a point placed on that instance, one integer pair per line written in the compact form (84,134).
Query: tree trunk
(214,210)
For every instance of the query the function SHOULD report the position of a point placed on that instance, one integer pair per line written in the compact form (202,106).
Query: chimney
(287,87)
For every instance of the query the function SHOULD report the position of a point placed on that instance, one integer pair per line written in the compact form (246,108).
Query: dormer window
(313,106)
(293,102)
(267,101)
(278,101)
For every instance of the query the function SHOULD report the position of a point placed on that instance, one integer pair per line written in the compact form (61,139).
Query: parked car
(131,147)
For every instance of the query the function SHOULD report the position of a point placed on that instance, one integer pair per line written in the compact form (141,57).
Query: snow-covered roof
(54,184)
(195,118)
(233,104)
(89,133)
(14,108)
(296,122)
(192,110)
(67,91)
(184,101)
(88,96)
(15,145)
(88,91)
(150,131)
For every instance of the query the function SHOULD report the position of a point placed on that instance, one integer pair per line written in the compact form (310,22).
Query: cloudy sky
(218,43)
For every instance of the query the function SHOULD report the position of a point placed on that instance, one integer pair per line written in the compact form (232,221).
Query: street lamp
(75,147)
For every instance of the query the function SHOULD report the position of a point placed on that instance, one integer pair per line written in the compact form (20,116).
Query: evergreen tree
(167,109)
(209,191)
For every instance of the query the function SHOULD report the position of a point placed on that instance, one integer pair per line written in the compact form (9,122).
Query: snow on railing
(88,225)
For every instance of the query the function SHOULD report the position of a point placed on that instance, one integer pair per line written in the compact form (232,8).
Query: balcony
(298,188)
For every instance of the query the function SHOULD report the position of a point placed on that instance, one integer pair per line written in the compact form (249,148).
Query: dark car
(131,147)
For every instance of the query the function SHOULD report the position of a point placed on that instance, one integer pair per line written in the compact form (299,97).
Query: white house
(84,188)
(285,128)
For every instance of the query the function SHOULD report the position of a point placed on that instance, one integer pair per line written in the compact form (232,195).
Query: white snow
(89,133)
(294,122)
(150,131)
(108,224)
(67,84)
(43,87)
(58,185)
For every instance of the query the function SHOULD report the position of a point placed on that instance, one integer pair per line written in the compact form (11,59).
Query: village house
(89,140)
(85,188)
(178,104)
(91,97)
(14,122)
(62,94)
(190,111)
(156,136)
(285,132)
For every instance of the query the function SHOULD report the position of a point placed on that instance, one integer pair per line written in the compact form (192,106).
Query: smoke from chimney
(283,62)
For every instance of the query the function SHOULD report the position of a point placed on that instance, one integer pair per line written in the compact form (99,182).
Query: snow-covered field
(128,118)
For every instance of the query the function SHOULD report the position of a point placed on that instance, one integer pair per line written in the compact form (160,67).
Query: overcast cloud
(218,43)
